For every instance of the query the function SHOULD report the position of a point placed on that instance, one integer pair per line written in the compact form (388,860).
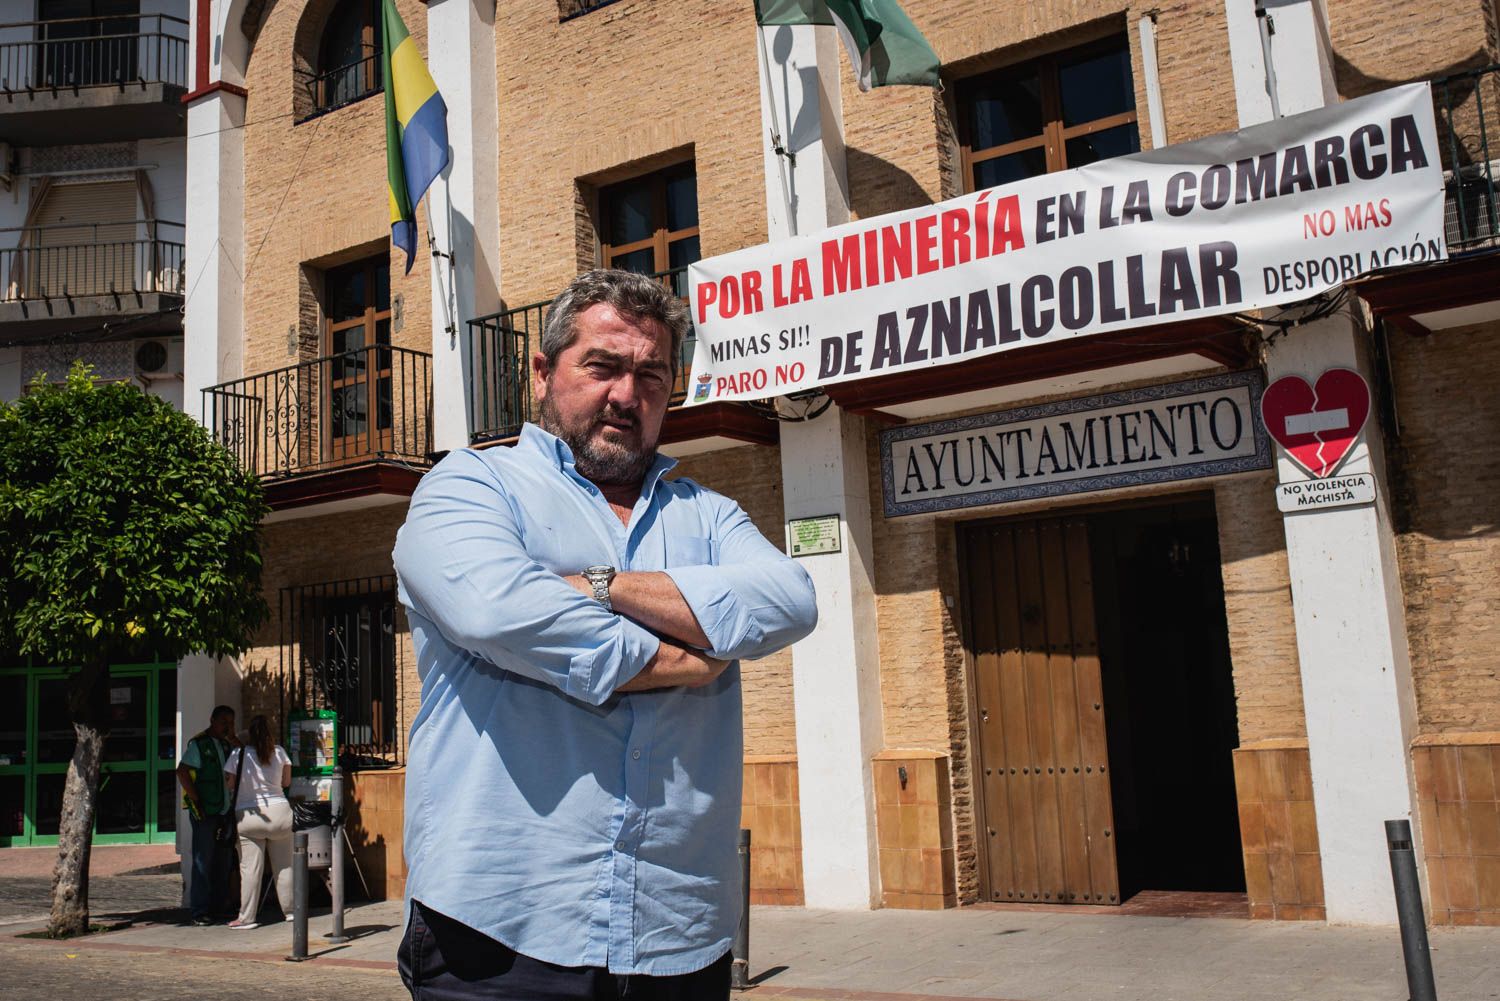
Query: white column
(1351,640)
(214,255)
(836,670)
(463,204)
(213,317)
(800,104)
(1301,58)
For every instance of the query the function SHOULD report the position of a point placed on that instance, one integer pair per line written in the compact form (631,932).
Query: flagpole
(448,296)
(782,155)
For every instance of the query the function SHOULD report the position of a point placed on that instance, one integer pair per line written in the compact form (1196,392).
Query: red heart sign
(1317,425)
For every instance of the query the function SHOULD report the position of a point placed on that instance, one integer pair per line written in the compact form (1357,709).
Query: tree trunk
(75,834)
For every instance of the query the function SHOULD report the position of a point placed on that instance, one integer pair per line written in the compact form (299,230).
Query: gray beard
(603,466)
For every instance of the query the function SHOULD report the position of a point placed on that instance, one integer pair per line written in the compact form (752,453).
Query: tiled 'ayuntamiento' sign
(1184,430)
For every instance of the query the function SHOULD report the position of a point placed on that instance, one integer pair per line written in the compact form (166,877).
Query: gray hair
(636,297)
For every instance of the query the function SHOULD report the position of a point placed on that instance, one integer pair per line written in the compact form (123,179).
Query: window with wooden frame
(649,224)
(357,307)
(348,55)
(1061,111)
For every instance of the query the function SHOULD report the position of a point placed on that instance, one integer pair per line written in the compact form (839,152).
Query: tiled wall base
(770,810)
(375,819)
(914,830)
(1458,794)
(1279,831)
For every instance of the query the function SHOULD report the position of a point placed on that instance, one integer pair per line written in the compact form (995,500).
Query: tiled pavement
(1015,953)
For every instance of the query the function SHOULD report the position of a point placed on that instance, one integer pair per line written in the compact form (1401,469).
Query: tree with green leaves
(126,533)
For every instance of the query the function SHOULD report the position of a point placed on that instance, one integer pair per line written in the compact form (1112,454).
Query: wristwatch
(600,576)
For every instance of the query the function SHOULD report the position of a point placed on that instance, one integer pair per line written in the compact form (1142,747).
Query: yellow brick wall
(315,190)
(1381,43)
(1447,504)
(625,83)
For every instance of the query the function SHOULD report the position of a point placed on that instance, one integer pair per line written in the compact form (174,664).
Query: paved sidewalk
(1030,955)
(1022,956)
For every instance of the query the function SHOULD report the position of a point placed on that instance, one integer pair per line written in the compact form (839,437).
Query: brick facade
(1447,479)
(637,85)
(300,215)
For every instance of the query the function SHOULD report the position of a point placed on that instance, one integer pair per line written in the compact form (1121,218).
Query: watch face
(599,571)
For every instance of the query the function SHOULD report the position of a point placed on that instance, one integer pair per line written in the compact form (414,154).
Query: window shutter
(81,259)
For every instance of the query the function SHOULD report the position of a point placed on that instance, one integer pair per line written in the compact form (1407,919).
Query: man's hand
(649,598)
(675,666)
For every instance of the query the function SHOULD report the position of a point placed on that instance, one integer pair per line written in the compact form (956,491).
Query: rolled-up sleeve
(755,600)
(461,563)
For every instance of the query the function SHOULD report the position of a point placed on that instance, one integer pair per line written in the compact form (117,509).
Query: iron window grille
(340,651)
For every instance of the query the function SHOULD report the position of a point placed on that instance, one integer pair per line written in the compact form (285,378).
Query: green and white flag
(884,47)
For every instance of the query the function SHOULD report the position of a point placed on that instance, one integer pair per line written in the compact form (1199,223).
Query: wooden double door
(1043,784)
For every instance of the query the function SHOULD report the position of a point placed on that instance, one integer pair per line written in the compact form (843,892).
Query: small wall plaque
(811,536)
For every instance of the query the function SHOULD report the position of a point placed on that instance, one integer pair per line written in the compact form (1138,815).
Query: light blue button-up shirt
(577,826)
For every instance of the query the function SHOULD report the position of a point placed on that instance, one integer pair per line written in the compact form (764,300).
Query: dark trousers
(444,960)
(211,853)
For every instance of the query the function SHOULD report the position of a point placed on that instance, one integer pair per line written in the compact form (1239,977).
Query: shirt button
(619,846)
(636,753)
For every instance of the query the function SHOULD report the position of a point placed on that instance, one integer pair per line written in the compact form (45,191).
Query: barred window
(340,652)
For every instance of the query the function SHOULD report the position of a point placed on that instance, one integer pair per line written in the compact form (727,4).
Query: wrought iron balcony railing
(77,52)
(366,405)
(569,9)
(332,89)
(1468,114)
(67,260)
(500,349)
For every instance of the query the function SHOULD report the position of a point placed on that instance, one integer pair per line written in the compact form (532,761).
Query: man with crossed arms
(574,771)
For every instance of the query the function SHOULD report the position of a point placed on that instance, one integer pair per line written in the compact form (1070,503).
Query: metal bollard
(336,861)
(299,897)
(739,969)
(1409,911)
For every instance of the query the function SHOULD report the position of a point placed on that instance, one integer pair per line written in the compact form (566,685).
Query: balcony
(71,276)
(341,432)
(1466,288)
(500,393)
(319,93)
(110,78)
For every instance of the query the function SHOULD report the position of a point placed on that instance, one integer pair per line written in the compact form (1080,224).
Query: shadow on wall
(1354,82)
(877,186)
(261,692)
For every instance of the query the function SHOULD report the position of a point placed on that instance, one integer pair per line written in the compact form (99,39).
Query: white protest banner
(1268,215)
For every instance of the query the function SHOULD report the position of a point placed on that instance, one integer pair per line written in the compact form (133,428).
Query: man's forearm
(651,599)
(189,787)
(675,666)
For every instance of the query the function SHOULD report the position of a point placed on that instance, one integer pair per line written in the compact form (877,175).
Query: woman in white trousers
(257,775)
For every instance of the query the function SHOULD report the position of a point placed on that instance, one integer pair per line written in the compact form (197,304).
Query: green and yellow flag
(416,129)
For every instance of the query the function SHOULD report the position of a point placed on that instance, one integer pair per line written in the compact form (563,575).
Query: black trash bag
(306,816)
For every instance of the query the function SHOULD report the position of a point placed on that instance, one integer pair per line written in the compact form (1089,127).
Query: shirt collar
(555,451)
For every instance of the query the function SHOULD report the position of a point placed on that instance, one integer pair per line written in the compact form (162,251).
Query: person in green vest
(201,775)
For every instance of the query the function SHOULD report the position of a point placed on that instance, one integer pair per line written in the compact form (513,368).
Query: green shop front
(137,780)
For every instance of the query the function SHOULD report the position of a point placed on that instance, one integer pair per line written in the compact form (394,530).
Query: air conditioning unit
(151,359)
(1471,208)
